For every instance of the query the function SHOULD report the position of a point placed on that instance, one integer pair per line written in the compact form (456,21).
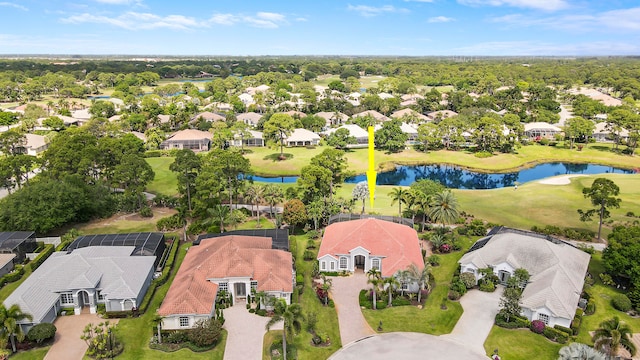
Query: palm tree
(579,351)
(292,317)
(421,276)
(400,195)
(444,208)
(255,194)
(391,282)
(375,279)
(611,335)
(404,276)
(9,326)
(218,213)
(273,195)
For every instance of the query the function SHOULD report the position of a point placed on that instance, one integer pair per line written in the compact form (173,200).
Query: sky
(321,27)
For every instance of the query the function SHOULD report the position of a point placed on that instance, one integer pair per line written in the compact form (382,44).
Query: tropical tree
(255,195)
(361,192)
(220,213)
(375,279)
(602,194)
(421,276)
(273,195)
(9,327)
(444,208)
(578,351)
(578,127)
(291,316)
(277,128)
(390,282)
(613,334)
(187,165)
(399,195)
(335,161)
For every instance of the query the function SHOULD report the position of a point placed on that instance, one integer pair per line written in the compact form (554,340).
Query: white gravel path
(559,180)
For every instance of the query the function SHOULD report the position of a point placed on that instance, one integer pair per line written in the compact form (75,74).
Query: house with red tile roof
(369,243)
(234,264)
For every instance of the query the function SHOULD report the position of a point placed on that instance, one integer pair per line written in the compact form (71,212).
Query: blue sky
(321,27)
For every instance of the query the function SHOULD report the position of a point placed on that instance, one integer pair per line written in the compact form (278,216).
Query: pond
(457,178)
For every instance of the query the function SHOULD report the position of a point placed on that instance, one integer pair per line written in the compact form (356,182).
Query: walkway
(406,345)
(67,344)
(344,292)
(245,333)
(473,327)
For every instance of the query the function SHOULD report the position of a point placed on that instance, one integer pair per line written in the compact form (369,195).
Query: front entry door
(241,290)
(359,261)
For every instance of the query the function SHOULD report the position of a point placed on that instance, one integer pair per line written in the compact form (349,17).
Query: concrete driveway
(344,292)
(67,344)
(408,346)
(480,309)
(245,333)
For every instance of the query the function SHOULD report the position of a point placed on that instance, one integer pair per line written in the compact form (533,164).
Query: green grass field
(34,354)
(165,181)
(520,344)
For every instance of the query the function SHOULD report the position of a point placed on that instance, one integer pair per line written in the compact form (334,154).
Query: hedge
(555,335)
(166,272)
(44,255)
(13,276)
(515,322)
(566,330)
(621,302)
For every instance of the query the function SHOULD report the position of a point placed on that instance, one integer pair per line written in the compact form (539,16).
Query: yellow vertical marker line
(371,172)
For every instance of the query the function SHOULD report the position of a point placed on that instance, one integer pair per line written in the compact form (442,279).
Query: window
(254,285)
(100,296)
(184,321)
(343,262)
(323,265)
(544,318)
(66,298)
(333,265)
(223,286)
(405,286)
(375,264)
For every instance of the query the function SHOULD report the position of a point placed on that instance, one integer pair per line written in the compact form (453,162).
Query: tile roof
(557,269)
(409,112)
(302,135)
(222,257)
(376,115)
(191,134)
(396,242)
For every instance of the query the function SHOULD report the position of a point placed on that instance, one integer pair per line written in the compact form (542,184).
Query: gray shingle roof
(112,270)
(557,268)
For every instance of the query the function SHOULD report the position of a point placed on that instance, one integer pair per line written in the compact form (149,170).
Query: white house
(540,130)
(36,144)
(361,135)
(302,137)
(606,132)
(557,271)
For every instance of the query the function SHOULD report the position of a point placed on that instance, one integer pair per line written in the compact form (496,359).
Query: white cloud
(440,19)
(17,6)
(119,2)
(270,16)
(621,19)
(301,19)
(223,19)
(138,21)
(549,5)
(370,11)
(265,20)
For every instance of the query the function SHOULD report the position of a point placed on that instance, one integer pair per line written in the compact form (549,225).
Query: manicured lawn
(125,223)
(35,354)
(8,288)
(265,223)
(136,333)
(520,344)
(431,319)
(526,156)
(327,325)
(165,181)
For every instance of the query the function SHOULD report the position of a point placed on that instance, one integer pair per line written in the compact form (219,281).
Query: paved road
(245,333)
(473,327)
(392,346)
(344,292)
(67,344)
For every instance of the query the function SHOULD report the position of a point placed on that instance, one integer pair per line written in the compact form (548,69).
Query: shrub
(261,312)
(364,299)
(563,329)
(41,332)
(459,287)
(400,302)
(299,278)
(146,212)
(308,255)
(445,248)
(205,332)
(468,279)
(487,286)
(621,302)
(44,255)
(434,260)
(591,307)
(537,326)
(176,337)
(606,279)
(170,223)
(453,295)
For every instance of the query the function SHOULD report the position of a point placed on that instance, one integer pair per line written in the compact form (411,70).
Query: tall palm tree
(292,317)
(444,208)
(399,195)
(579,351)
(375,279)
(421,276)
(218,213)
(273,195)
(611,335)
(9,326)
(391,282)
(255,195)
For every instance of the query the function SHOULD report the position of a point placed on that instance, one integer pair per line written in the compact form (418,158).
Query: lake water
(457,178)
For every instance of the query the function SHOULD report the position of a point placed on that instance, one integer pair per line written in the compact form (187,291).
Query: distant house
(541,130)
(255,140)
(139,135)
(6,263)
(333,118)
(249,118)
(296,114)
(83,279)
(235,264)
(410,130)
(441,114)
(195,140)
(361,135)
(208,116)
(557,271)
(407,113)
(253,90)
(35,145)
(19,243)
(604,132)
(164,119)
(385,96)
(374,114)
(81,116)
(369,243)
(302,137)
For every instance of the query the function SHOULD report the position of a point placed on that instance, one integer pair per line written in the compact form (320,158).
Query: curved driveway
(245,333)
(345,291)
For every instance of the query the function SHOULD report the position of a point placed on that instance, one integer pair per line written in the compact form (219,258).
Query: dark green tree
(390,137)
(187,165)
(602,194)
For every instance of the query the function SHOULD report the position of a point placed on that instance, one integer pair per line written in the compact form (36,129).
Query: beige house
(249,118)
(604,132)
(195,140)
(333,118)
(540,130)
(374,114)
(302,137)
(441,114)
(209,116)
(35,145)
(406,114)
